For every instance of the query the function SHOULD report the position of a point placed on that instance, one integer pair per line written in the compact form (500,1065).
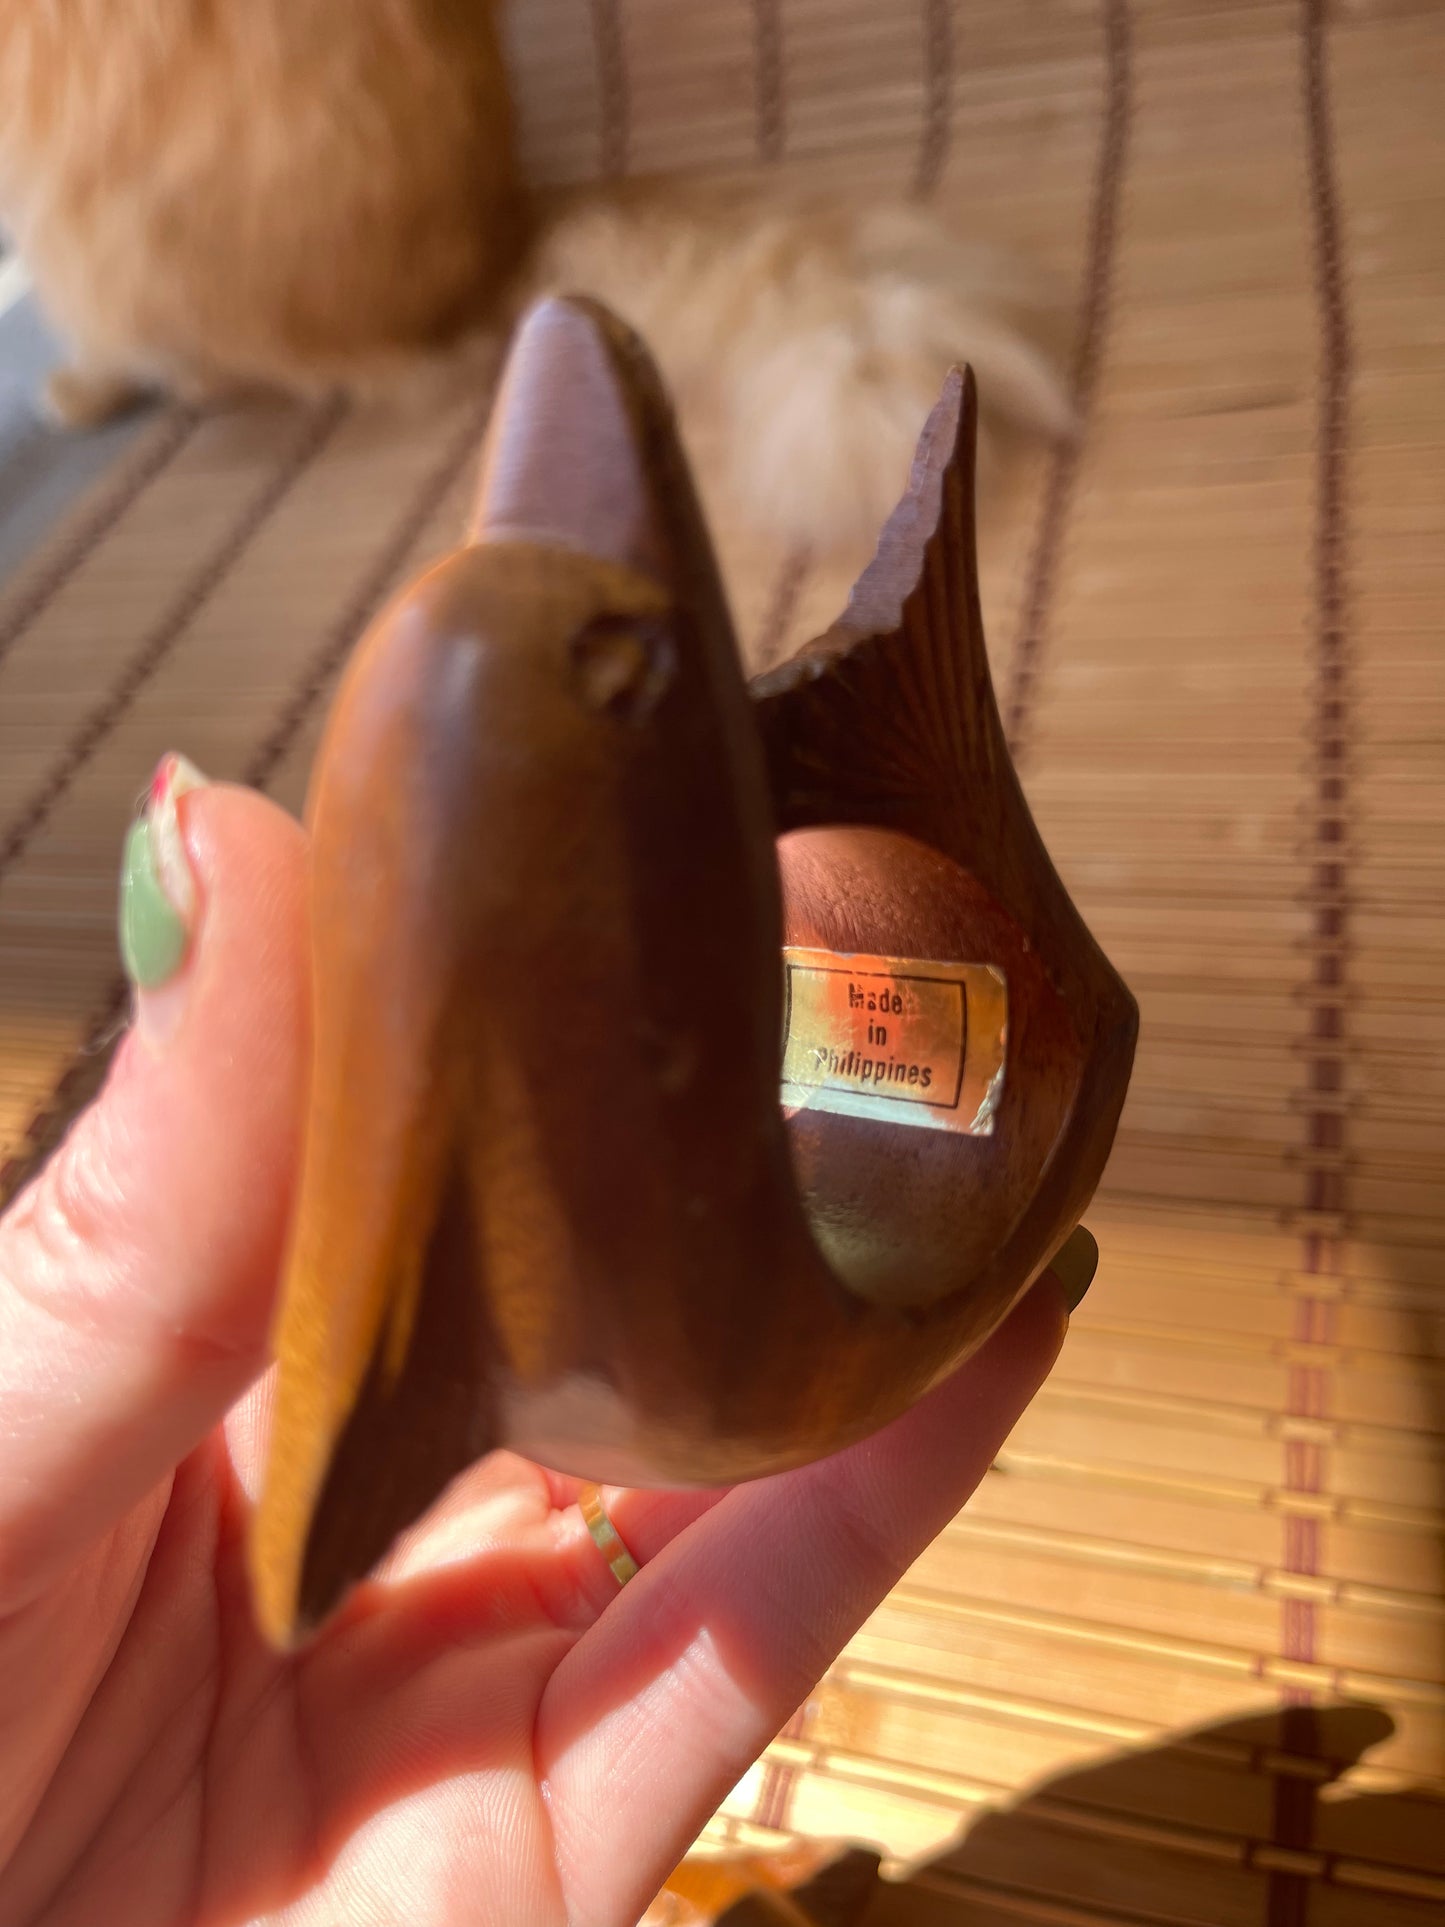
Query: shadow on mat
(1240,1823)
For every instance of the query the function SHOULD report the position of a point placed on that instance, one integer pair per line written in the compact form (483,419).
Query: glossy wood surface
(549,1198)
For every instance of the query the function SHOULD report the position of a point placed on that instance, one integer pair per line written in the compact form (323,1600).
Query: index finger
(662,1706)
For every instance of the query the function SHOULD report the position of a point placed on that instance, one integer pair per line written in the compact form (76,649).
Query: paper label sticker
(895,1039)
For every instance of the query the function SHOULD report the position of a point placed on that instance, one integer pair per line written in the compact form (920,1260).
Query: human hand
(490,1731)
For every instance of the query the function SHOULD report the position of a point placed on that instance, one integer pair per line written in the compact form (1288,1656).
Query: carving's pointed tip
(948,442)
(272,1555)
(302,1447)
(928,515)
(571,451)
(952,423)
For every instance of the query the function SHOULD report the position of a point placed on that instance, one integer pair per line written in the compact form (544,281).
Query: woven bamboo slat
(1183,1660)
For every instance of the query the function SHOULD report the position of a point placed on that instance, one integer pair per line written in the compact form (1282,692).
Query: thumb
(137,1271)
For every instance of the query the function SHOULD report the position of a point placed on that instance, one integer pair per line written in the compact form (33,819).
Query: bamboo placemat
(1183,1660)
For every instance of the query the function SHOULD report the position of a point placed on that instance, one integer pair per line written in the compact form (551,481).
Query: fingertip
(250,861)
(215,1099)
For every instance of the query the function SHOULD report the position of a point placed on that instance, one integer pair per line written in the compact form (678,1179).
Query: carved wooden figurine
(550,1197)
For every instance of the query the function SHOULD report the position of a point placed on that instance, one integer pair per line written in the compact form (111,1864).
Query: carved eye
(622,667)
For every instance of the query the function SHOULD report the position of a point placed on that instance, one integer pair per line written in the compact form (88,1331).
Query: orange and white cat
(213,196)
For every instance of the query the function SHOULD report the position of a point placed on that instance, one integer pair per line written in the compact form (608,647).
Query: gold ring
(605,1535)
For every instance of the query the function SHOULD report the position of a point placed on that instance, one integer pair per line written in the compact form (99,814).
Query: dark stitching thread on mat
(1327,882)
(1308,1387)
(164,637)
(1292,1821)
(25,455)
(938,75)
(614,92)
(337,645)
(85,1072)
(768,95)
(81,539)
(775,1796)
(77,1085)
(1093,320)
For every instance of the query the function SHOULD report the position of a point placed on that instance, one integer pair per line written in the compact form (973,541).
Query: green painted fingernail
(157,891)
(1075,1264)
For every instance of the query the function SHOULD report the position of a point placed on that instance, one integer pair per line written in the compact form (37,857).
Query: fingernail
(1075,1264)
(158,898)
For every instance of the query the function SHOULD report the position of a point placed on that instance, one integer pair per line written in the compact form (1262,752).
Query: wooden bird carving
(613,1156)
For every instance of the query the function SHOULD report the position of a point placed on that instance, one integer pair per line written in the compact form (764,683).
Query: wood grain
(548,1198)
